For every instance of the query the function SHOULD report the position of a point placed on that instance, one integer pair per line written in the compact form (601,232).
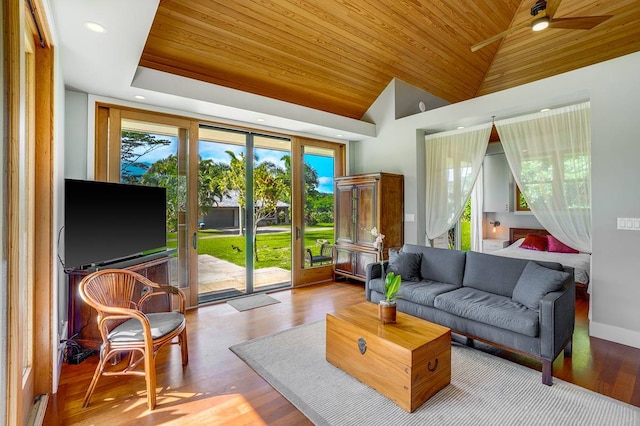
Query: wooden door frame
(108,135)
(19,23)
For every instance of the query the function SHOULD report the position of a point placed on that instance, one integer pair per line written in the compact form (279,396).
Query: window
(539,176)
(521,202)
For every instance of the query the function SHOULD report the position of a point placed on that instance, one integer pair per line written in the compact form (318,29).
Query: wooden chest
(408,362)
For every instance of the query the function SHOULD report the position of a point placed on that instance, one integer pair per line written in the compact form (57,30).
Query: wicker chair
(119,296)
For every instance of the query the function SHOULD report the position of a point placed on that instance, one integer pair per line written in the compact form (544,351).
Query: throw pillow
(405,264)
(535,282)
(556,246)
(534,242)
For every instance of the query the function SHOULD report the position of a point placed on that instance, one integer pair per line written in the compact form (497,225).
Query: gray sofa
(519,305)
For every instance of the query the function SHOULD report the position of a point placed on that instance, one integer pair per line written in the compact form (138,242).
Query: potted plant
(387,307)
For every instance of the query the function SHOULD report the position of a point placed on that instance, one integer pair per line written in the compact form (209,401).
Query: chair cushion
(162,323)
(535,282)
(405,264)
(491,309)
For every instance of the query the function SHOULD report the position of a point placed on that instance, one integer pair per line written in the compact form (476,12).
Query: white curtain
(549,154)
(453,162)
(477,212)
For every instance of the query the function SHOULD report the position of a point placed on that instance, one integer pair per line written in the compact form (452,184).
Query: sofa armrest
(372,271)
(557,319)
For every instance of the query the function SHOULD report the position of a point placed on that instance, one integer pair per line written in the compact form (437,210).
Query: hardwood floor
(217,388)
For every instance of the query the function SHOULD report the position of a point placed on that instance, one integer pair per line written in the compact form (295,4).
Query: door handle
(297,233)
(194,241)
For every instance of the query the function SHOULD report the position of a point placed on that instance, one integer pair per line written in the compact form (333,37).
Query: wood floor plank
(219,388)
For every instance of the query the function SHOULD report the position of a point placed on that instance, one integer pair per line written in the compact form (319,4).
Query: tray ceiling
(338,55)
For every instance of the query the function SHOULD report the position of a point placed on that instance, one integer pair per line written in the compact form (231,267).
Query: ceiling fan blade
(578,23)
(552,7)
(501,35)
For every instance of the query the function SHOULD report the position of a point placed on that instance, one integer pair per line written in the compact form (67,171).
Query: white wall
(60,293)
(613,87)
(393,154)
(76,133)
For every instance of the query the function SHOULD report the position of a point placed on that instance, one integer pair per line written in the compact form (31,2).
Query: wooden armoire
(363,202)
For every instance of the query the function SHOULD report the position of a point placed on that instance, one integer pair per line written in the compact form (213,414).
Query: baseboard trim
(36,416)
(615,334)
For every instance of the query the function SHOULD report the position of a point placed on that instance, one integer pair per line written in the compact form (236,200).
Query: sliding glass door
(244,218)
(246,211)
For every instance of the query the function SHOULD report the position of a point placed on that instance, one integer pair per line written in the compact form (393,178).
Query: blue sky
(216,152)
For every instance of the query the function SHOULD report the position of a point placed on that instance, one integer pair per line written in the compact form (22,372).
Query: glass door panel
(155,154)
(318,230)
(221,214)
(272,212)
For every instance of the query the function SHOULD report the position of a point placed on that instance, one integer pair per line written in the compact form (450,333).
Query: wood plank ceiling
(338,55)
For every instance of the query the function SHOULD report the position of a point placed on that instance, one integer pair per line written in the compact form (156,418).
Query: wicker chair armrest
(125,315)
(162,290)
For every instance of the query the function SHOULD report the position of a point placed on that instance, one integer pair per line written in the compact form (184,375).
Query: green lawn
(273,249)
(465,235)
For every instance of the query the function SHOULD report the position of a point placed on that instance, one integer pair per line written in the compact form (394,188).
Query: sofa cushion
(405,264)
(440,265)
(423,292)
(377,284)
(491,309)
(535,282)
(495,274)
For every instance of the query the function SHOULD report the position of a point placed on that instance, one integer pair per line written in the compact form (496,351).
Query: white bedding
(581,261)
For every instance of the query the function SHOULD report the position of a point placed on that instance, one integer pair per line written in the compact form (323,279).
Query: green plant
(391,286)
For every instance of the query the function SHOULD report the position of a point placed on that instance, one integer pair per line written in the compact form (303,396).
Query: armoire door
(345,213)
(365,212)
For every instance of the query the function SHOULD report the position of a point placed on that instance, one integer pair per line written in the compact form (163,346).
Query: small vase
(387,312)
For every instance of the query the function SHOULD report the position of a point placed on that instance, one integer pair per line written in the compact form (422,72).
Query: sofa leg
(547,372)
(470,343)
(568,350)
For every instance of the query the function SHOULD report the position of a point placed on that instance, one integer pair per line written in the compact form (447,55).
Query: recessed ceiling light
(460,127)
(95,27)
(139,97)
(545,109)
(260,120)
(339,135)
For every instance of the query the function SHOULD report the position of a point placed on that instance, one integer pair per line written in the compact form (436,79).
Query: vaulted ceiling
(338,55)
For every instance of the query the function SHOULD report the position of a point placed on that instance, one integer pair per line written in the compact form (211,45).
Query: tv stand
(82,318)
(130,261)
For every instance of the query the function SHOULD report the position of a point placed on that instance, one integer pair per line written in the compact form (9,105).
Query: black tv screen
(105,222)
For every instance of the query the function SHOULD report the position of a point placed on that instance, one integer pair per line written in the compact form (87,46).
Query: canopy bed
(580,261)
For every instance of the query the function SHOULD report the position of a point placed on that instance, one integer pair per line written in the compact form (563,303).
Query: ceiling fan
(542,17)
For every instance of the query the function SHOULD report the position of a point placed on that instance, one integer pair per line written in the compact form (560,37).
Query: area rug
(484,389)
(252,302)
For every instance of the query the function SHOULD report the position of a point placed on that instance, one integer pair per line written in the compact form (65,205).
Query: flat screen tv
(107,222)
